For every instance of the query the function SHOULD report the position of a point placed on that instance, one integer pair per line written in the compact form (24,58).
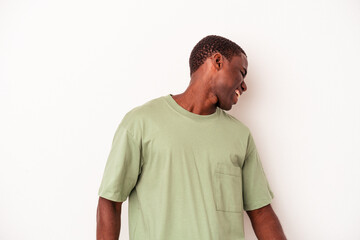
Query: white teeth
(237,93)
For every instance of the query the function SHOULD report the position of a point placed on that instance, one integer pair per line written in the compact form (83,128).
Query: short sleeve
(122,167)
(256,189)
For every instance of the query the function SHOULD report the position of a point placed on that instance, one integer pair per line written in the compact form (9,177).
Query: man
(189,168)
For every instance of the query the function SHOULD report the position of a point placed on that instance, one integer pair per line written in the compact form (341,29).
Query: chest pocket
(228,188)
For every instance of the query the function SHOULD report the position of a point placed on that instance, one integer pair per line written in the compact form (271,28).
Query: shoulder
(137,117)
(233,123)
(144,111)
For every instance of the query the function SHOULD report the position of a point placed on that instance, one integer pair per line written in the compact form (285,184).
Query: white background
(70,70)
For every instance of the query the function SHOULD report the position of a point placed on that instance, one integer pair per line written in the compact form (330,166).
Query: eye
(243,75)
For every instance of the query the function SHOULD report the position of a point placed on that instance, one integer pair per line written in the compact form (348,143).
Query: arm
(265,223)
(108,219)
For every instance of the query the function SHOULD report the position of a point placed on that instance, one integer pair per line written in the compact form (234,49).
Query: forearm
(267,226)
(108,220)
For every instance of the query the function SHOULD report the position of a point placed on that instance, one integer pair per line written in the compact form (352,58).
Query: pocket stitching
(228,170)
(219,204)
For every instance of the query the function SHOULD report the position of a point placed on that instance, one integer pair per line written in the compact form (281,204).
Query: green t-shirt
(188,176)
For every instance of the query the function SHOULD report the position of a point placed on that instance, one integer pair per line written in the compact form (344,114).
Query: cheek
(225,83)
(222,82)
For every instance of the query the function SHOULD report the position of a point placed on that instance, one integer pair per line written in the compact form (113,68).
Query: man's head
(223,64)
(208,46)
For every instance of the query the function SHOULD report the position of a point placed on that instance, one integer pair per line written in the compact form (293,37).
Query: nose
(243,86)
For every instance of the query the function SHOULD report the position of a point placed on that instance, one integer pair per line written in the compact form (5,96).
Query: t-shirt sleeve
(256,189)
(122,167)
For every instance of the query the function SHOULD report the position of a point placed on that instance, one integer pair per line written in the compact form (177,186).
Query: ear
(217,60)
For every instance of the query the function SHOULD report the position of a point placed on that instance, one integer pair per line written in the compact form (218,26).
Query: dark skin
(108,219)
(266,224)
(212,85)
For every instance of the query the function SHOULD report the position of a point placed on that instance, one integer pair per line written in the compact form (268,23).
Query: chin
(230,107)
(226,107)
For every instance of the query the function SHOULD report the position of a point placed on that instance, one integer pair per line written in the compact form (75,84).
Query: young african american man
(189,168)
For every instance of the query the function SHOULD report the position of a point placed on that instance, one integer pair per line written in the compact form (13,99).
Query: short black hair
(212,44)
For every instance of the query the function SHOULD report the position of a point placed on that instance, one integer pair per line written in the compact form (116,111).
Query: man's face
(230,78)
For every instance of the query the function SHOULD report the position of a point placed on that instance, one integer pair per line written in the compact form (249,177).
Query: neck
(197,98)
